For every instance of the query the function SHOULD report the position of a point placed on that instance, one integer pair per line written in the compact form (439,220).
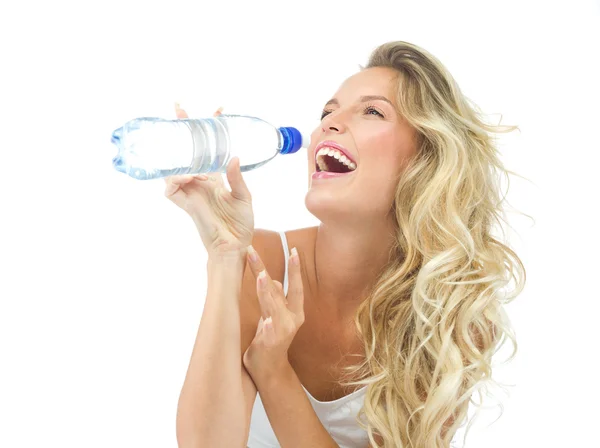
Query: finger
(256,266)
(179,112)
(254,261)
(259,327)
(171,189)
(174,182)
(277,301)
(239,189)
(182,178)
(269,331)
(179,178)
(279,297)
(295,294)
(265,299)
(279,289)
(218,112)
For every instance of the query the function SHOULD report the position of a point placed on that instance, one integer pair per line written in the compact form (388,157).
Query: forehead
(371,81)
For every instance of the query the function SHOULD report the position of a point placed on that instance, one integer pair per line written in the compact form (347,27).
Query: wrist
(274,375)
(232,256)
(230,264)
(226,274)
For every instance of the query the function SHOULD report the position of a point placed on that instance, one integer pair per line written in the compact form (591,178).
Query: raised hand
(225,219)
(281,317)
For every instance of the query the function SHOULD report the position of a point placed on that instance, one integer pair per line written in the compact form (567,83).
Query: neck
(347,262)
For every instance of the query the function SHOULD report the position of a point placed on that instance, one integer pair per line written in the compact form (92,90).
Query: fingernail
(269,323)
(252,253)
(295,258)
(262,277)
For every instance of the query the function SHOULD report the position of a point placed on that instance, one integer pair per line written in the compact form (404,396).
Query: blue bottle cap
(292,140)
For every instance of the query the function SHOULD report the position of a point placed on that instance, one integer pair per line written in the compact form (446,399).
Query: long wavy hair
(435,317)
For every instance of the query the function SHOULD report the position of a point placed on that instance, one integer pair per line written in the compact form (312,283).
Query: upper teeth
(326,151)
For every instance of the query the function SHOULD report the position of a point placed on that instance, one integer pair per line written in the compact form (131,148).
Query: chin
(316,204)
(325,205)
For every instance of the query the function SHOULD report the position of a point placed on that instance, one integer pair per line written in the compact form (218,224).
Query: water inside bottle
(150,148)
(150,145)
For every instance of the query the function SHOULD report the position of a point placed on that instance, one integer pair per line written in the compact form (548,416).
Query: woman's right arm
(218,394)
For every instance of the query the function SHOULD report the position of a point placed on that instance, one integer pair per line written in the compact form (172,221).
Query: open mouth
(333,161)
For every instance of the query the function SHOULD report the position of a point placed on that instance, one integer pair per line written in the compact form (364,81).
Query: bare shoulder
(303,239)
(272,247)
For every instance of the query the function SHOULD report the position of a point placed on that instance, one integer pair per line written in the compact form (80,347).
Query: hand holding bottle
(225,219)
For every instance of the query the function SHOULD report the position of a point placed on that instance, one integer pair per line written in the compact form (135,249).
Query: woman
(394,310)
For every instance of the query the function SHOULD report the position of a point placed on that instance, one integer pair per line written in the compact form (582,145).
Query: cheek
(380,178)
(383,161)
(388,150)
(382,156)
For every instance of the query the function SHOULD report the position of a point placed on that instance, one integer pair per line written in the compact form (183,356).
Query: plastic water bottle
(151,148)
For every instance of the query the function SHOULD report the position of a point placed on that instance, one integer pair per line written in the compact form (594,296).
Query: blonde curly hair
(435,316)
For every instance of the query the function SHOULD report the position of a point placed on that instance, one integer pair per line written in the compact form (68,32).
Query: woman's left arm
(290,413)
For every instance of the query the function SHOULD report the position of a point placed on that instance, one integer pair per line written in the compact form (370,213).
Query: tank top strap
(286,253)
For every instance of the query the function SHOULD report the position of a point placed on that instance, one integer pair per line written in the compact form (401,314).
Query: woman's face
(376,138)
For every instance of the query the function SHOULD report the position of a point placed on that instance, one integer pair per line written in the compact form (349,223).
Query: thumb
(239,189)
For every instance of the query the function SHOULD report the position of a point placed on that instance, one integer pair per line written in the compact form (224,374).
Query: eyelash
(366,109)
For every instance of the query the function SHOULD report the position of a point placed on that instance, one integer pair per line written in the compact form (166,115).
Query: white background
(103,279)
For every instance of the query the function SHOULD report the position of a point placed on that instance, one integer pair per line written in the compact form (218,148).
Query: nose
(332,122)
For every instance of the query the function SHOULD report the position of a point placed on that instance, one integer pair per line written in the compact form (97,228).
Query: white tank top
(338,416)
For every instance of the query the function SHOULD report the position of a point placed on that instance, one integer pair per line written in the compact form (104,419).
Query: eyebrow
(362,99)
